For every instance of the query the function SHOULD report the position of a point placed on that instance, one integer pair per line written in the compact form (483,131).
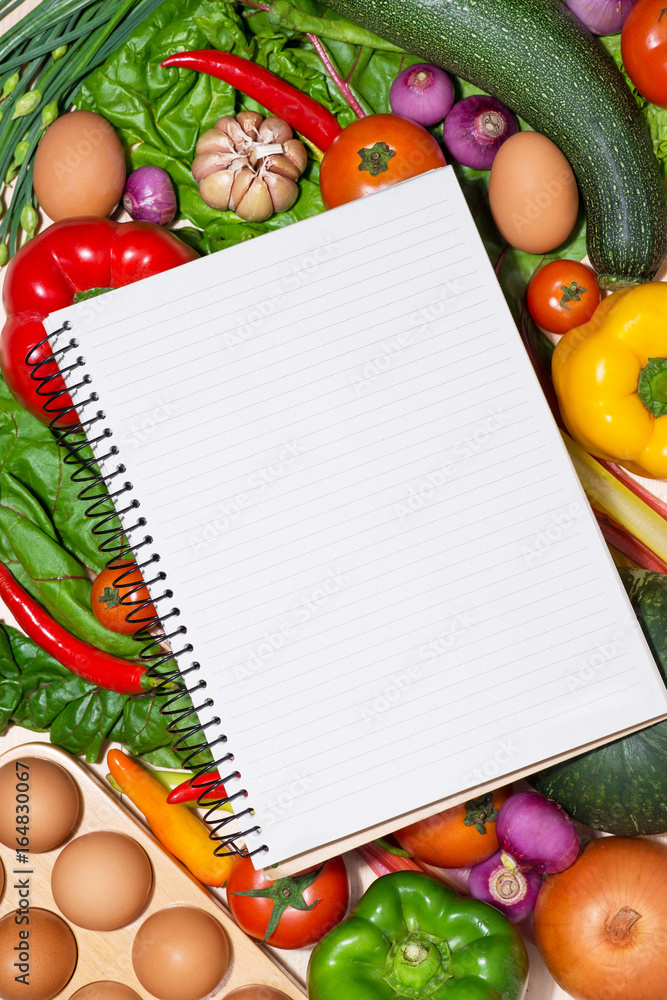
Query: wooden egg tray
(107,955)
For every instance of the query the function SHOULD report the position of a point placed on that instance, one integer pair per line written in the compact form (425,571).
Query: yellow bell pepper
(610,376)
(175,826)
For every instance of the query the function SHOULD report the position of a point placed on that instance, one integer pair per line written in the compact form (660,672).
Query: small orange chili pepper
(177,828)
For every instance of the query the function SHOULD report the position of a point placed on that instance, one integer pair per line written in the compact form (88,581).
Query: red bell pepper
(72,256)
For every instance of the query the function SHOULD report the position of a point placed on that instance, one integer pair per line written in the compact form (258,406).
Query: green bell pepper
(411,936)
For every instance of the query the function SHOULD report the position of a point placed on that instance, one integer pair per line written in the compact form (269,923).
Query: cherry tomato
(563,294)
(458,837)
(113,599)
(288,912)
(374,153)
(644,49)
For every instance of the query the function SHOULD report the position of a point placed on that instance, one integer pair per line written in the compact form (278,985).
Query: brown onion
(601,925)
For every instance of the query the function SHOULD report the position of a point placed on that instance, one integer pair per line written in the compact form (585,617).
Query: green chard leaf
(45,537)
(10,686)
(30,454)
(160,113)
(143,725)
(38,693)
(165,108)
(62,584)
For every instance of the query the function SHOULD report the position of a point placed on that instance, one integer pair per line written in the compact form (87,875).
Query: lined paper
(385,563)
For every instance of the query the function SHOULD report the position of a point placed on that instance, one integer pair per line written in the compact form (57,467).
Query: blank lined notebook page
(384,561)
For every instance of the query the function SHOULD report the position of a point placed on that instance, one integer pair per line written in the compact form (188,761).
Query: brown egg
(105,990)
(180,953)
(256,992)
(39,804)
(79,167)
(101,880)
(37,957)
(533,193)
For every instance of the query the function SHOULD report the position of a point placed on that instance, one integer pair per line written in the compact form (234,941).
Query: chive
(9,128)
(45,48)
(91,35)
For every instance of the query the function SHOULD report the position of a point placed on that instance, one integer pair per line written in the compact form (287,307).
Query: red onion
(500,882)
(537,832)
(602,17)
(424,93)
(149,196)
(476,128)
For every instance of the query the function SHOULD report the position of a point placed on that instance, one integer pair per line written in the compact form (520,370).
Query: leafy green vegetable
(46,539)
(141,99)
(39,694)
(45,536)
(286,15)
(160,113)
(29,453)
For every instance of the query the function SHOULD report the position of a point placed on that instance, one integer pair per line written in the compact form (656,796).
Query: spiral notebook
(386,566)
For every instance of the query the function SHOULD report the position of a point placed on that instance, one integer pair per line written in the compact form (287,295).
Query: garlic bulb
(249,164)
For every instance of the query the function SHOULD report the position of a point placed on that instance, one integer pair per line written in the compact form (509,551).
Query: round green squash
(621,788)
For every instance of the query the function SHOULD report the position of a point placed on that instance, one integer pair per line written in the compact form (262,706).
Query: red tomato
(563,294)
(288,912)
(105,600)
(644,49)
(458,837)
(374,153)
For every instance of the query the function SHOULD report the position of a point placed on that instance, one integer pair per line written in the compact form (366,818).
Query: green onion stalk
(44,60)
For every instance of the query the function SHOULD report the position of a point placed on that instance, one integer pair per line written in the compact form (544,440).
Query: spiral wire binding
(68,428)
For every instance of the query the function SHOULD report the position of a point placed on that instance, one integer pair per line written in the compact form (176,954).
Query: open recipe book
(384,560)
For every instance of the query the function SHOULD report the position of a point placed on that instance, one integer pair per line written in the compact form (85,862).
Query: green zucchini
(622,787)
(537,58)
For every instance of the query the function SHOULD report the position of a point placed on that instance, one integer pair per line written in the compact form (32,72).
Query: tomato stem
(285,892)
(479,812)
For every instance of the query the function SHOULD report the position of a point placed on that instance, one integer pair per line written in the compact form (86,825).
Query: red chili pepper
(192,788)
(304,114)
(83,659)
